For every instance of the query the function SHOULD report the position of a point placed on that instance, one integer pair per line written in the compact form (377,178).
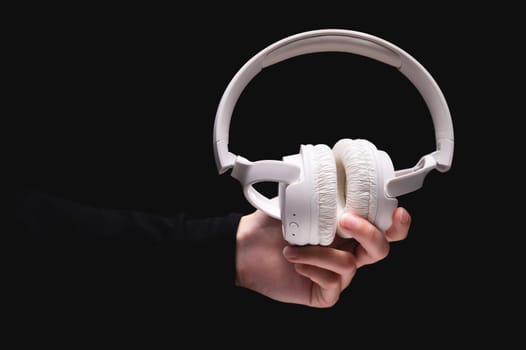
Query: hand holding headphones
(319,184)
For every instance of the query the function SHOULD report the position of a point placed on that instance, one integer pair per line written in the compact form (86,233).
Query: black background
(115,107)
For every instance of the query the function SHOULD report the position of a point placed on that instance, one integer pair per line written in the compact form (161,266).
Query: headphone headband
(339,40)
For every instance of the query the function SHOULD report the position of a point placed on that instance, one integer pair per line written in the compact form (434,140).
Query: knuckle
(331,302)
(371,231)
(350,264)
(383,251)
(334,282)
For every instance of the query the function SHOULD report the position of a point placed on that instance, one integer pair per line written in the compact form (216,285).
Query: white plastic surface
(308,204)
(249,173)
(299,208)
(385,204)
(341,41)
(409,180)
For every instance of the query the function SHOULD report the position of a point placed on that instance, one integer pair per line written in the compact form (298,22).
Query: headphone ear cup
(325,188)
(357,177)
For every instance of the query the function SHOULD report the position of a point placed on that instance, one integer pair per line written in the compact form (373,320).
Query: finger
(340,262)
(326,279)
(400,227)
(373,245)
(327,285)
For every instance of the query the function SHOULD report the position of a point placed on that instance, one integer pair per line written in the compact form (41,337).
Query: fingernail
(404,217)
(288,252)
(349,221)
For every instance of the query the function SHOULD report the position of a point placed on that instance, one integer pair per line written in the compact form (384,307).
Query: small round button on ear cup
(293,229)
(325,183)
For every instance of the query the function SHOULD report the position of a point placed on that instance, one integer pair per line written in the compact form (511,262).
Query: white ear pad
(362,172)
(357,179)
(325,189)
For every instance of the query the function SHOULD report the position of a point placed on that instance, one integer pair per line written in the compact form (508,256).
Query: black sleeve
(64,242)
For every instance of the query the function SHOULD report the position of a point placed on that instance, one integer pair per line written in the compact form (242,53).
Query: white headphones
(319,184)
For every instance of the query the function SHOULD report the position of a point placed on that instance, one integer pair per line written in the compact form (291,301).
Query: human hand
(309,275)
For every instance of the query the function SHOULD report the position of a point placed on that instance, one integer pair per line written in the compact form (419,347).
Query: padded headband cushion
(357,178)
(325,183)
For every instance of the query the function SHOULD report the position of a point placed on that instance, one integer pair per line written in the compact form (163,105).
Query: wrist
(242,237)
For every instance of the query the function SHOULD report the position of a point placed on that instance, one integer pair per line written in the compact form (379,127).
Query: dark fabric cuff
(62,240)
